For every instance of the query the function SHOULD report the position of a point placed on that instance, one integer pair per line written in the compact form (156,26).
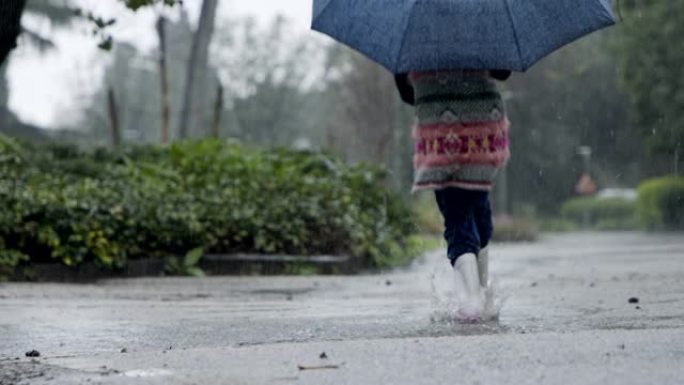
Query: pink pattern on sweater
(446,144)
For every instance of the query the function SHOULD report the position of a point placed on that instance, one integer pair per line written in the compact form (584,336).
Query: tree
(365,116)
(651,63)
(269,81)
(132,88)
(163,80)
(59,15)
(573,98)
(12,10)
(192,118)
(136,82)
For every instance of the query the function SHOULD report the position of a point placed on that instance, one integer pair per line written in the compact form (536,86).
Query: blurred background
(596,132)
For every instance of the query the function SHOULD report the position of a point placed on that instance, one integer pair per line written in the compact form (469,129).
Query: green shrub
(62,204)
(557,225)
(661,203)
(429,219)
(9,260)
(600,214)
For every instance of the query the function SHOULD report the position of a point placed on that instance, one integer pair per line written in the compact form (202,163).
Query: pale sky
(48,89)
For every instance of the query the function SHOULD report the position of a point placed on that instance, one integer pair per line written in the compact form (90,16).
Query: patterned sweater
(461,138)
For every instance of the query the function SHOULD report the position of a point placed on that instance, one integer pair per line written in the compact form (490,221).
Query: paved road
(566,319)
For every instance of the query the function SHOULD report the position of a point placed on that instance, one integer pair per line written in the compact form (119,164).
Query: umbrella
(424,35)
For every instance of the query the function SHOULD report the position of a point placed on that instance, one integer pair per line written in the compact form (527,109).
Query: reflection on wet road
(569,283)
(566,282)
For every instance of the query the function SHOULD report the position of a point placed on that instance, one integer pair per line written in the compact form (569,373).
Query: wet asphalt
(577,309)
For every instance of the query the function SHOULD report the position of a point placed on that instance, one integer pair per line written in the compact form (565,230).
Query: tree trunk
(218,109)
(4,96)
(10,25)
(113,118)
(365,113)
(676,160)
(164,81)
(197,69)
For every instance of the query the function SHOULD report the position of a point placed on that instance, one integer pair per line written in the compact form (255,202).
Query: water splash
(445,305)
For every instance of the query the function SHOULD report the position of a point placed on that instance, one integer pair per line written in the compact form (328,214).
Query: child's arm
(501,75)
(405,88)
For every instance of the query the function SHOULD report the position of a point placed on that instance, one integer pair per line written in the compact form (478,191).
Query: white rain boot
(483,266)
(468,291)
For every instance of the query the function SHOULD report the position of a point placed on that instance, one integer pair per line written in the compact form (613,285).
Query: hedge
(661,203)
(601,214)
(62,204)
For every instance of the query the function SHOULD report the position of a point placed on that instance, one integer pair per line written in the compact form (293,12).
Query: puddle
(283,291)
(153,372)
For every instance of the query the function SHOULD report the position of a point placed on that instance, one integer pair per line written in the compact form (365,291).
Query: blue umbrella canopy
(423,35)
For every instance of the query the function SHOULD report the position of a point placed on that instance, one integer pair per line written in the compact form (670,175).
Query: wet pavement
(566,319)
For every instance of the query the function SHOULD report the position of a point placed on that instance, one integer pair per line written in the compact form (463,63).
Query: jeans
(467,220)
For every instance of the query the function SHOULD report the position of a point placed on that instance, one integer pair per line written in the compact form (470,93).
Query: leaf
(193,257)
(195,272)
(106,44)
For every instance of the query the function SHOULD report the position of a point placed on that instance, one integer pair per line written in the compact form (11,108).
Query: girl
(461,141)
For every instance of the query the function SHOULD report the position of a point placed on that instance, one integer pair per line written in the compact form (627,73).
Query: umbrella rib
(515,33)
(320,11)
(403,38)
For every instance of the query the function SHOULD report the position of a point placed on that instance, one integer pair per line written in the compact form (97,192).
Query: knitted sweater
(461,138)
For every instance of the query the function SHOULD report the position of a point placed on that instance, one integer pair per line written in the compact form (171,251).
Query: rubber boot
(483,266)
(469,293)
